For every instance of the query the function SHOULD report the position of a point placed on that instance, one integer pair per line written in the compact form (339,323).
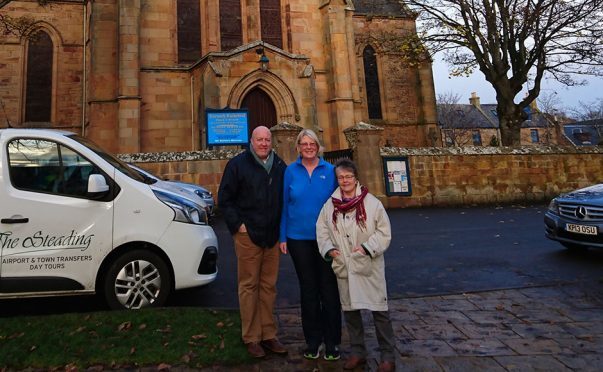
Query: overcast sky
(463,86)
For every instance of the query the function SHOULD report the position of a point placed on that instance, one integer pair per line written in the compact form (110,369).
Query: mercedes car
(575,219)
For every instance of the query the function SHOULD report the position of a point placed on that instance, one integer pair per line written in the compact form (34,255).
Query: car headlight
(184,210)
(203,194)
(554,206)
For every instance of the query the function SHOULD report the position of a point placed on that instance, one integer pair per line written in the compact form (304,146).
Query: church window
(371,79)
(231,30)
(189,31)
(270,13)
(38,91)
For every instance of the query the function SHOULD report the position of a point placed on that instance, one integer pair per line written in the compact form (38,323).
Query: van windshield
(120,165)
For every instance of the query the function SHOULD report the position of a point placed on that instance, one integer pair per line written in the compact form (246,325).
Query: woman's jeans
(320,306)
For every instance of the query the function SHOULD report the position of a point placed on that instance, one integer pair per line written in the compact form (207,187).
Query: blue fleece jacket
(303,198)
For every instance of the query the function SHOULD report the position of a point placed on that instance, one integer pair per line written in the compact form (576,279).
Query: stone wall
(478,175)
(438,176)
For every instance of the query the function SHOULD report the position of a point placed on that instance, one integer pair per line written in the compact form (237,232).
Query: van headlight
(185,210)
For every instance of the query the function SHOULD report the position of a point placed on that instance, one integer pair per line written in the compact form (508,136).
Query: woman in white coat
(353,231)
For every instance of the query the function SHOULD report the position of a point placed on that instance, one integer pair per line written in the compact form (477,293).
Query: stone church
(139,75)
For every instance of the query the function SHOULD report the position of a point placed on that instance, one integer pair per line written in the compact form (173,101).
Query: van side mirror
(97,184)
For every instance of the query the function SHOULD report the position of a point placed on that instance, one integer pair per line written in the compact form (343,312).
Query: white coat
(360,278)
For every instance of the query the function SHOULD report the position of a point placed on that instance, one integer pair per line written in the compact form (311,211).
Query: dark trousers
(383,329)
(320,306)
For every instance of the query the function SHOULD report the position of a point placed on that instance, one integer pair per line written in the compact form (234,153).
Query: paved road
(434,251)
(440,251)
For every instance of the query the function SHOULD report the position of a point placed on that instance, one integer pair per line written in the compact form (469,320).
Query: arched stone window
(371,82)
(270,13)
(189,30)
(38,89)
(231,29)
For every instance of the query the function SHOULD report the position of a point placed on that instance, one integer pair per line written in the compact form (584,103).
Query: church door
(261,109)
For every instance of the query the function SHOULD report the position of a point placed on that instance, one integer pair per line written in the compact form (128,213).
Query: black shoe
(332,353)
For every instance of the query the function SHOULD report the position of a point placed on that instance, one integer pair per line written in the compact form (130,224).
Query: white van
(76,220)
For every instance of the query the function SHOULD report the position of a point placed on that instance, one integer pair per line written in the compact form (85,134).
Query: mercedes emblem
(581,212)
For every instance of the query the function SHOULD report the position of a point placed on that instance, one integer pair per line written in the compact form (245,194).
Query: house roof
(468,117)
(585,133)
(463,117)
(381,7)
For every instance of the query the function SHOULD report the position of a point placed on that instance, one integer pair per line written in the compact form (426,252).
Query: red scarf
(356,203)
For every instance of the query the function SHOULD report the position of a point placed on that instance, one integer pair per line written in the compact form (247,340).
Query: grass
(189,337)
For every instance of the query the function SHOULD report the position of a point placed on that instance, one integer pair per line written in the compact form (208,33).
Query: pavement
(546,328)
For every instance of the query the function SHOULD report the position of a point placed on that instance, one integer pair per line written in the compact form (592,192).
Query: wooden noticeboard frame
(396,174)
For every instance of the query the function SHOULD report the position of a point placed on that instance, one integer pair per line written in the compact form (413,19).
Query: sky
(463,86)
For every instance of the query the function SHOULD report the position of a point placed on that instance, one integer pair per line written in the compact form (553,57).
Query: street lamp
(263,59)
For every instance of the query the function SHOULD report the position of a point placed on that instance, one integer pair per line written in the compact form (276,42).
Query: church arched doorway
(261,109)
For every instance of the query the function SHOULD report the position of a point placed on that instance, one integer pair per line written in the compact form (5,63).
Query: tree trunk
(510,118)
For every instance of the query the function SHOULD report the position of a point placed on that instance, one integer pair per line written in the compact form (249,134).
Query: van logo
(581,212)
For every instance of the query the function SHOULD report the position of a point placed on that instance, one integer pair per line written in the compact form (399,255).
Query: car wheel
(137,279)
(575,248)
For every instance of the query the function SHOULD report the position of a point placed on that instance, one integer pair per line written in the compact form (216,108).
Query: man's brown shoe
(255,350)
(274,345)
(386,367)
(353,362)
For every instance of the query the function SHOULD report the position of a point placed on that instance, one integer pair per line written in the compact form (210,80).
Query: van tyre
(137,279)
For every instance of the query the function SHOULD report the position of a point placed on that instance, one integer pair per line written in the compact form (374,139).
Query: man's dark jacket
(250,195)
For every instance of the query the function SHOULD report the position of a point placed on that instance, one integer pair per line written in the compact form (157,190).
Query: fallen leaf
(199,337)
(34,347)
(219,324)
(186,358)
(124,326)
(221,342)
(70,368)
(132,350)
(142,326)
(164,367)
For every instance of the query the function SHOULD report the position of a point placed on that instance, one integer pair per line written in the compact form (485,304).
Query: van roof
(33,132)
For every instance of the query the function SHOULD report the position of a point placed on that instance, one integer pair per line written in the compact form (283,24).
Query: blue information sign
(227,127)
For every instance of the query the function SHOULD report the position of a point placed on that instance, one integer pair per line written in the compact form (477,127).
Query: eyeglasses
(346,177)
(307,144)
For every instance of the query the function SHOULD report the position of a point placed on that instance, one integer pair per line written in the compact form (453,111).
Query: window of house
(231,29)
(534,135)
(477,138)
(38,90)
(460,113)
(493,112)
(189,30)
(270,15)
(371,79)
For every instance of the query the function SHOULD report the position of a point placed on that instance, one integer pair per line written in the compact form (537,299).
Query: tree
(17,26)
(513,42)
(588,110)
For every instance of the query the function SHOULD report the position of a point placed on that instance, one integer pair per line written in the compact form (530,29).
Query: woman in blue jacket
(308,184)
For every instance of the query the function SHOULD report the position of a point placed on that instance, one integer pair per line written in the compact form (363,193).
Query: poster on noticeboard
(397,176)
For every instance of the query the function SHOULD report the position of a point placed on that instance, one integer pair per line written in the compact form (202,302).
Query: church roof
(380,7)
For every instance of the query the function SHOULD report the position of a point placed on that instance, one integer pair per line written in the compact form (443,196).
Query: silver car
(575,219)
(204,194)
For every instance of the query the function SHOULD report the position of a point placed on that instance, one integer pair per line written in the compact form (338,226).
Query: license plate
(581,229)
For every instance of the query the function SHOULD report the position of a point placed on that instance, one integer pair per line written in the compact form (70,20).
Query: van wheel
(135,280)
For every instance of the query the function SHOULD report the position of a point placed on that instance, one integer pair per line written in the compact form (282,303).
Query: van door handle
(14,220)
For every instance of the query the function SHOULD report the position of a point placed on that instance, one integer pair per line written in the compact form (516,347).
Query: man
(251,199)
